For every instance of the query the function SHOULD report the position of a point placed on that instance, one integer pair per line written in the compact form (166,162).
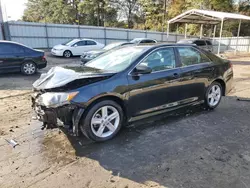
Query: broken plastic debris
(34,118)
(13,143)
(243,99)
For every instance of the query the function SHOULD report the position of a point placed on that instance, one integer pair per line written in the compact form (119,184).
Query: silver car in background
(205,44)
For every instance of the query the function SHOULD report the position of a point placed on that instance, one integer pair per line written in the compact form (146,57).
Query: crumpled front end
(57,91)
(67,114)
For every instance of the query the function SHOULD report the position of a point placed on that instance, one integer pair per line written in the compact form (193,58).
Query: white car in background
(76,47)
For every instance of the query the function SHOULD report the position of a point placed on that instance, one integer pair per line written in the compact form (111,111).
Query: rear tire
(67,54)
(28,68)
(213,96)
(102,121)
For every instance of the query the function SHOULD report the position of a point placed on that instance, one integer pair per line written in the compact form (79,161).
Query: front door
(157,90)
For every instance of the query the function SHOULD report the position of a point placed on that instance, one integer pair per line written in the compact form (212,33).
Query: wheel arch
(223,85)
(118,99)
(67,50)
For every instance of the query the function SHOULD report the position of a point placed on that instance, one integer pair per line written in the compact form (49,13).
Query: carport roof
(206,17)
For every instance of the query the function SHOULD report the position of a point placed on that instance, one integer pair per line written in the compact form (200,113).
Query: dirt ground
(189,148)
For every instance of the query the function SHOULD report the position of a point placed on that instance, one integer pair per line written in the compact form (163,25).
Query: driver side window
(159,60)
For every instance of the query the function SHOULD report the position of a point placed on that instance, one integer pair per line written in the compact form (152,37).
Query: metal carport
(196,16)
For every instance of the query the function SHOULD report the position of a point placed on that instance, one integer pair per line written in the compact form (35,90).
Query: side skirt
(163,111)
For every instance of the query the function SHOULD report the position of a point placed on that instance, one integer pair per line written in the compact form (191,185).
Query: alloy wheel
(105,121)
(214,95)
(29,68)
(67,54)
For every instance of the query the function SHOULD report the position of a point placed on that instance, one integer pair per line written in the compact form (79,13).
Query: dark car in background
(128,84)
(15,57)
(202,43)
(87,56)
(143,41)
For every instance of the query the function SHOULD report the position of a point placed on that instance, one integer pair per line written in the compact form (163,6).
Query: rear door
(11,57)
(92,45)
(159,89)
(196,71)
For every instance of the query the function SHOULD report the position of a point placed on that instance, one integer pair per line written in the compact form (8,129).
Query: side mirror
(142,69)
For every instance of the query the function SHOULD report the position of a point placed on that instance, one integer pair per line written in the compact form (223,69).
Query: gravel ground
(188,148)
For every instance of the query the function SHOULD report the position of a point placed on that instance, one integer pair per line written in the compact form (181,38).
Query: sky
(13,9)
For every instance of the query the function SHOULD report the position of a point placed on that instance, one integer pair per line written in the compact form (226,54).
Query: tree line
(136,14)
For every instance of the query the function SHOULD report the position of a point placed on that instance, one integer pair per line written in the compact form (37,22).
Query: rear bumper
(229,84)
(42,65)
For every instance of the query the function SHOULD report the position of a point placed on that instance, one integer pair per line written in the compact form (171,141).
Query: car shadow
(241,62)
(142,151)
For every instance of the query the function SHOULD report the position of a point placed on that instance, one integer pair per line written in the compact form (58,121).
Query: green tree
(97,12)
(54,11)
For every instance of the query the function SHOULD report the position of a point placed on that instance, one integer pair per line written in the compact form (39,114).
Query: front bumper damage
(69,115)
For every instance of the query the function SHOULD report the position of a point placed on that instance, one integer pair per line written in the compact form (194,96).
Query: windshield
(116,60)
(69,42)
(110,46)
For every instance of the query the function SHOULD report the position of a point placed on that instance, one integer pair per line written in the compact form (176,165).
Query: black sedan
(87,56)
(129,84)
(15,57)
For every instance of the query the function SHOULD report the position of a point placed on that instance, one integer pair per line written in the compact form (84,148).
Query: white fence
(41,35)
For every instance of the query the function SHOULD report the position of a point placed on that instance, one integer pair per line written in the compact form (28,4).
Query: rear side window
(190,56)
(8,48)
(90,42)
(147,41)
(200,43)
(208,42)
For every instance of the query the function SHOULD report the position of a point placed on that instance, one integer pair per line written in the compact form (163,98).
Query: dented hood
(60,76)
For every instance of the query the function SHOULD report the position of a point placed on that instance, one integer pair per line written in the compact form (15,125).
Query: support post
(79,32)
(127,35)
(46,33)
(237,41)
(221,28)
(167,31)
(214,32)
(185,31)
(105,36)
(201,31)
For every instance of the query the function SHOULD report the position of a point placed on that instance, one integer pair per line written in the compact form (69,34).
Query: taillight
(43,58)
(231,65)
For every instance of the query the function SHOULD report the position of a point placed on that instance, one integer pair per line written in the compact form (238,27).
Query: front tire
(28,68)
(102,121)
(67,54)
(213,95)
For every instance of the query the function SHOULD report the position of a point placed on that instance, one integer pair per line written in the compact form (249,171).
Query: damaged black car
(128,84)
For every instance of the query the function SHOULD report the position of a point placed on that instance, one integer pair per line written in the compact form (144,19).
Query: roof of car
(157,45)
(193,39)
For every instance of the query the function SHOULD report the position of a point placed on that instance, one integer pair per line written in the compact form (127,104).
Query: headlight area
(54,107)
(54,100)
